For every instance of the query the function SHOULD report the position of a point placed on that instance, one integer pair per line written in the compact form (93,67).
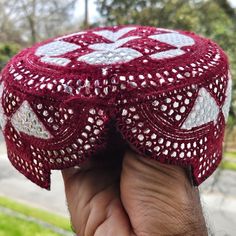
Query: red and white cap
(163,92)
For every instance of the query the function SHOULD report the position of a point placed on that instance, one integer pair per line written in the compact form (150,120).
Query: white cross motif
(111,53)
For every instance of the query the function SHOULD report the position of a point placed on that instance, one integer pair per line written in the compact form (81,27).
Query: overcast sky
(233,2)
(79,11)
(94,15)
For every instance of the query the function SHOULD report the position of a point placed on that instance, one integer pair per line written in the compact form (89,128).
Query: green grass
(12,226)
(45,216)
(230,154)
(229,161)
(228,165)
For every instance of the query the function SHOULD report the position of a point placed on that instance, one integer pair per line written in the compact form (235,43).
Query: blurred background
(34,211)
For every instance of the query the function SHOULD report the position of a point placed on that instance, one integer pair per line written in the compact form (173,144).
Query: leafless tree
(37,19)
(7,30)
(86,23)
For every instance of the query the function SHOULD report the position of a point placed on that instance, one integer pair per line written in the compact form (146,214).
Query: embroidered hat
(163,92)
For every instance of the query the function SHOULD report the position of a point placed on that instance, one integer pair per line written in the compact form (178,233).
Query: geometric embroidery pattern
(164,92)
(25,120)
(3,117)
(204,110)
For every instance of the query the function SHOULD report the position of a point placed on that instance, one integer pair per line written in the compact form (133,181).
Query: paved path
(218,195)
(219,202)
(15,185)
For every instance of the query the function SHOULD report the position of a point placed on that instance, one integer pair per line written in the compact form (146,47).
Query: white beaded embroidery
(3,117)
(168,54)
(57,61)
(174,39)
(107,57)
(56,48)
(204,110)
(112,46)
(25,120)
(114,36)
(110,53)
(226,106)
(172,105)
(70,35)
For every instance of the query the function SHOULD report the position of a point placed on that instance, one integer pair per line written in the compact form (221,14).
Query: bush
(7,50)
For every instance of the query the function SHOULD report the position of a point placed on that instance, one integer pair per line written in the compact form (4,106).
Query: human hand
(129,195)
(93,197)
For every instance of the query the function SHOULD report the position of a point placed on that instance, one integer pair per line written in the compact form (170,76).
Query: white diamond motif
(26,121)
(168,54)
(226,106)
(204,110)
(3,117)
(174,39)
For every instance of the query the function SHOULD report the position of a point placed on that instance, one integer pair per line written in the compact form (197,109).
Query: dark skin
(126,194)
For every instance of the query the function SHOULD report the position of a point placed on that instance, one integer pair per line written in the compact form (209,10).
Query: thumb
(147,171)
(162,195)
